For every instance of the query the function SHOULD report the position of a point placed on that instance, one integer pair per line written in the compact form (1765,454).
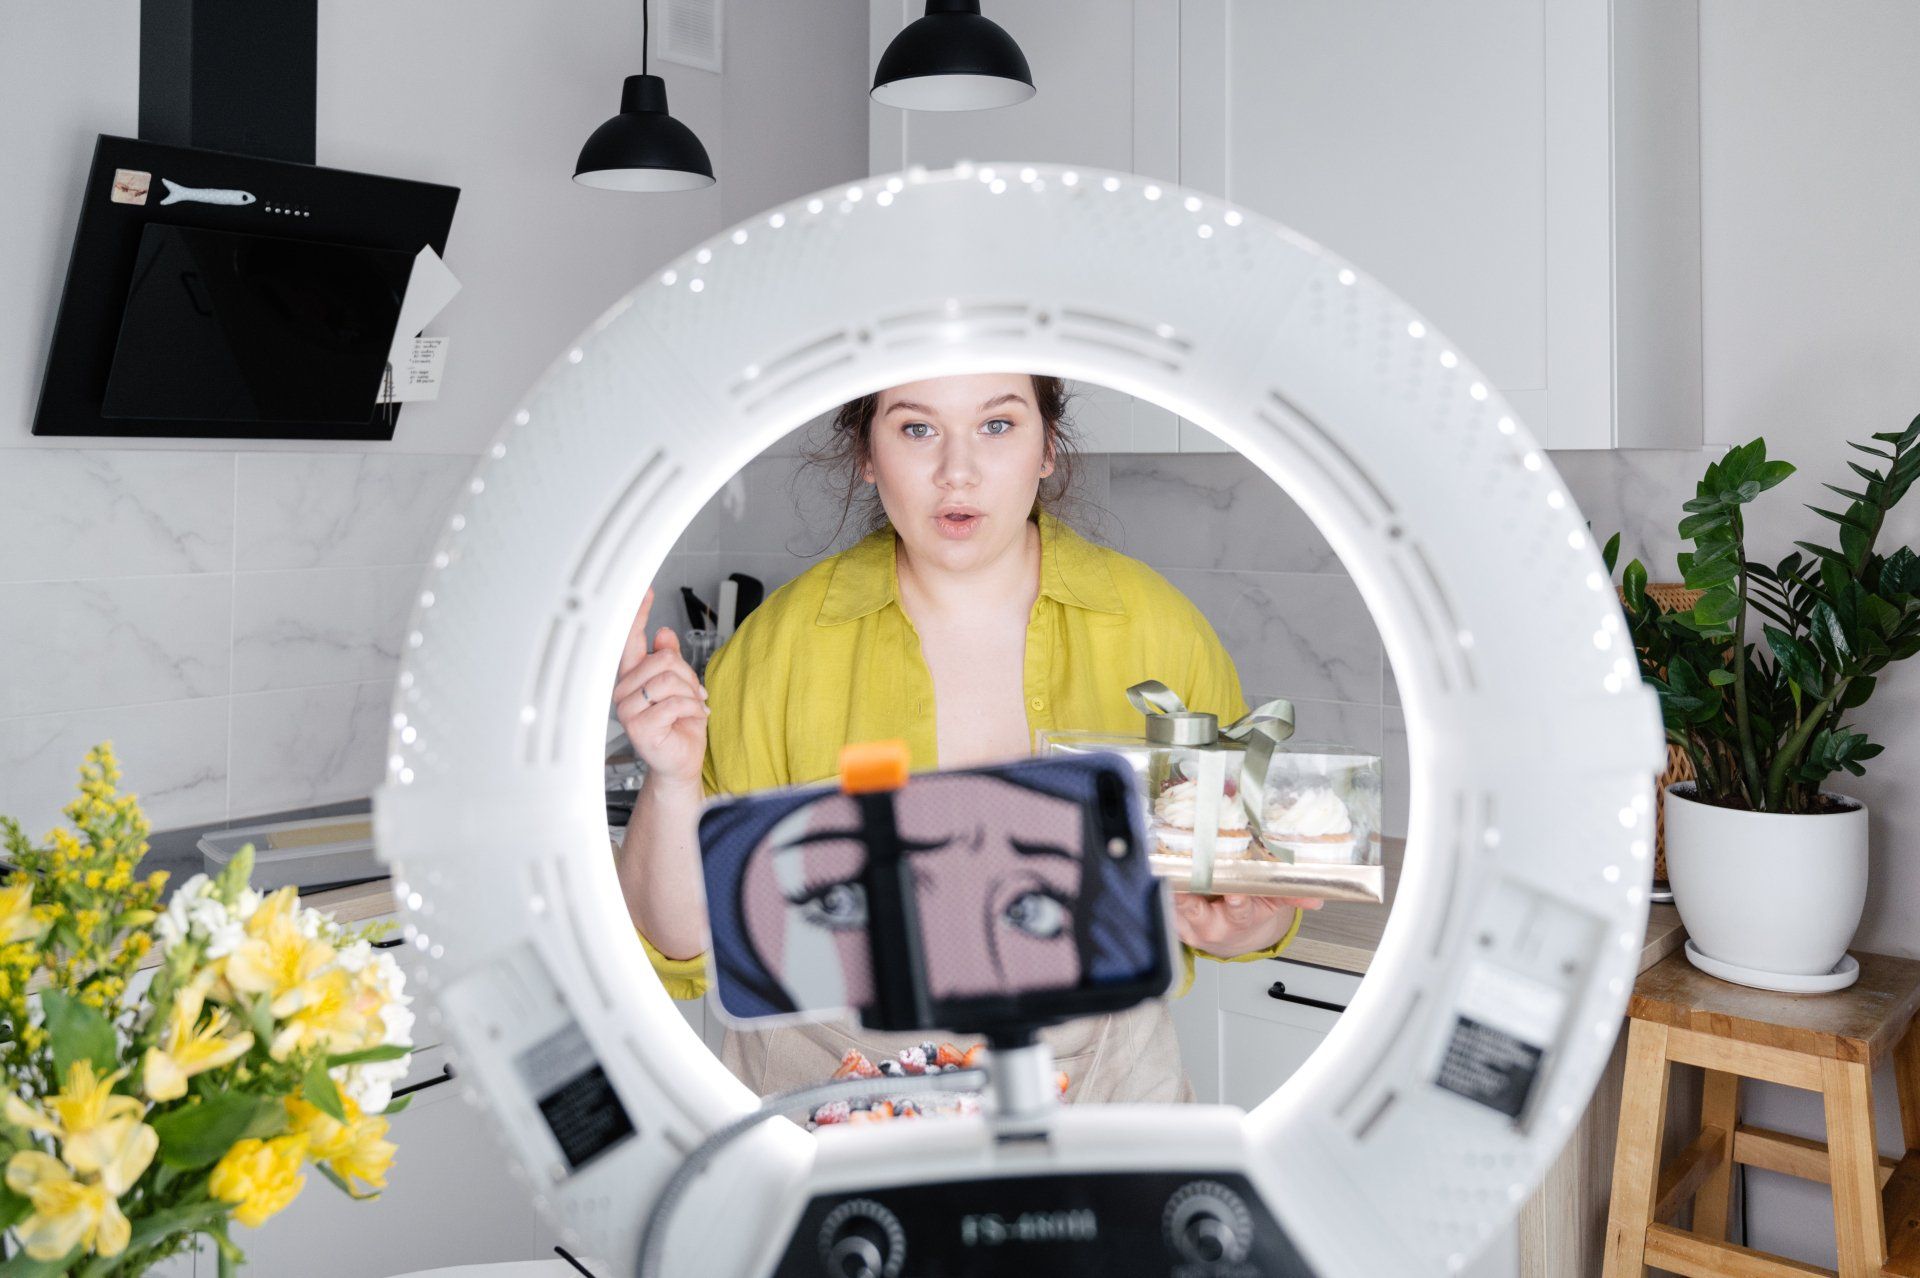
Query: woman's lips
(957,527)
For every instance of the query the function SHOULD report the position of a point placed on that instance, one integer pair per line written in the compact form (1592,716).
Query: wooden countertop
(1343,935)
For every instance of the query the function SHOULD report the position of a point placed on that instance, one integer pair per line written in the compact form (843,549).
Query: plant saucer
(1845,973)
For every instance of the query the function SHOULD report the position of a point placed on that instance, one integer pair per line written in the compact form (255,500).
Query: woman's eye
(1001,422)
(916,430)
(1038,914)
(838,906)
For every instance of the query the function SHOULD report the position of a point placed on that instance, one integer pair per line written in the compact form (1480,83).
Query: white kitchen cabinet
(1273,1014)
(1244,1028)
(1524,172)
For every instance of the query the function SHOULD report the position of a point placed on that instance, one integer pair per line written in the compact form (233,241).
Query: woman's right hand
(659,701)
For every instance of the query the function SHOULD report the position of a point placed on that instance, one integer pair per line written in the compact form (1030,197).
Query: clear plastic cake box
(1337,785)
(318,852)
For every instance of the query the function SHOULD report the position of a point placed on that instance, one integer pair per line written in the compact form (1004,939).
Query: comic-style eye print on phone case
(1019,900)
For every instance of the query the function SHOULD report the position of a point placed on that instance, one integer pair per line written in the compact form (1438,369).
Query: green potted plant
(1757,683)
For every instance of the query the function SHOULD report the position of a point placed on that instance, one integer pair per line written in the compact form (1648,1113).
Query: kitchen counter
(1343,935)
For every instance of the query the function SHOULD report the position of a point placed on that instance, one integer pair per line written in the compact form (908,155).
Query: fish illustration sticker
(130,186)
(177,194)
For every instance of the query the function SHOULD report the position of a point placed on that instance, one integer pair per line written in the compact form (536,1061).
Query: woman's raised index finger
(636,646)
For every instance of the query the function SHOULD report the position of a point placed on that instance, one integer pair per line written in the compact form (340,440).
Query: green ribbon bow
(1257,733)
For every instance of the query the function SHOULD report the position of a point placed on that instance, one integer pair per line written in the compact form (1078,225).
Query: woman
(970,618)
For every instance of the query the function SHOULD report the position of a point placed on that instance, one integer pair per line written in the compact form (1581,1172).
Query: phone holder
(1019,1064)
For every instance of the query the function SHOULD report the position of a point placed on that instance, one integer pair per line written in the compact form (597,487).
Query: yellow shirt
(831,657)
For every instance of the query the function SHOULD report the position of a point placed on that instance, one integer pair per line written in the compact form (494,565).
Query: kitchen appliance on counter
(316,853)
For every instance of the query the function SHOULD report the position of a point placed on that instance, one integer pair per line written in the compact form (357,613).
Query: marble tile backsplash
(231,621)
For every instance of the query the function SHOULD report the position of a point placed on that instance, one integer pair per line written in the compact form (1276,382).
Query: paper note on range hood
(123,196)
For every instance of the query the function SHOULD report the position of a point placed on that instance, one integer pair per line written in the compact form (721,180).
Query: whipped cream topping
(1177,803)
(1311,814)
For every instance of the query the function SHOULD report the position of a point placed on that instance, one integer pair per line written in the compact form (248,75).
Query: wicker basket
(1671,597)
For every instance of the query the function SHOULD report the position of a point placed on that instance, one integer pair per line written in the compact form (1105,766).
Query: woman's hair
(848,442)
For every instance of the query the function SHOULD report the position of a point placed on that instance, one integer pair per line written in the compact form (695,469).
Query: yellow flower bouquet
(139,1114)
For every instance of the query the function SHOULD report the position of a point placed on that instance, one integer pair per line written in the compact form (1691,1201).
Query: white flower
(371,1085)
(355,956)
(225,938)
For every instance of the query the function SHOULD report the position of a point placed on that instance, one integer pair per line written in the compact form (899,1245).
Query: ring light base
(1492,1003)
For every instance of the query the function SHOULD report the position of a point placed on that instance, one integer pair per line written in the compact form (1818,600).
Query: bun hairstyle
(847,442)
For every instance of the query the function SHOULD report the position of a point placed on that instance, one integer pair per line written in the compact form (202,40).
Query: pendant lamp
(952,60)
(643,148)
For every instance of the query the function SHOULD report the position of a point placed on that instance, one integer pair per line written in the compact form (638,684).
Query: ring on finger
(647,696)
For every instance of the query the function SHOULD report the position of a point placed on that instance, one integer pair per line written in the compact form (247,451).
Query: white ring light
(1525,890)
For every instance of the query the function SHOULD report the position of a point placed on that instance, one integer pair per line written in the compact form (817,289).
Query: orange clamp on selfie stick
(870,766)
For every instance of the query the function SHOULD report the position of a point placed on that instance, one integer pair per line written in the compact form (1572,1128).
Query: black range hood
(222,285)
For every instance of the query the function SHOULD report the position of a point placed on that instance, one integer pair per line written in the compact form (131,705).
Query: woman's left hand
(1229,926)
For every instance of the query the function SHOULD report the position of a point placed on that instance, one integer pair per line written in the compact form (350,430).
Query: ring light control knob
(862,1239)
(1208,1223)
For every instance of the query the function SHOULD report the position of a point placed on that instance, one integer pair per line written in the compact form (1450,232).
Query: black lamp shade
(952,60)
(643,148)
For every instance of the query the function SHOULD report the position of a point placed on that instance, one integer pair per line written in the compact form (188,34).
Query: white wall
(231,614)
(1810,190)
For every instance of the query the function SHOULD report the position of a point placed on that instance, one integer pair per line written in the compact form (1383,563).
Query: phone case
(972,899)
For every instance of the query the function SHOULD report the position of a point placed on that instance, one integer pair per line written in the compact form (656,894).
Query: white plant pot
(1767,891)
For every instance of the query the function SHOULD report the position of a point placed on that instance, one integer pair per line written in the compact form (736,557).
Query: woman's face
(958,462)
(997,878)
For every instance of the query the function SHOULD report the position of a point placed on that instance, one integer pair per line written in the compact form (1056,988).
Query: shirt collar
(1073,571)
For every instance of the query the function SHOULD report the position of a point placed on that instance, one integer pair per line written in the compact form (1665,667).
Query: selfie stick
(1019,1064)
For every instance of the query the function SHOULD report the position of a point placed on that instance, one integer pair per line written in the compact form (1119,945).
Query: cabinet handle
(1278,990)
(445,1075)
(389,943)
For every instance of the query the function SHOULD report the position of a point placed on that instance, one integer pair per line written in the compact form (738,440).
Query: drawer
(1279,990)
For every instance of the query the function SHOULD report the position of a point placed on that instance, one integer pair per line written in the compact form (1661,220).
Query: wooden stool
(1826,1043)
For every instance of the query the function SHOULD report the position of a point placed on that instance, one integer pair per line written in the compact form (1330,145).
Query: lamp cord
(645,7)
(653,1239)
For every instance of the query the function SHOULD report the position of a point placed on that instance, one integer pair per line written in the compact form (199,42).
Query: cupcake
(1314,825)
(1173,823)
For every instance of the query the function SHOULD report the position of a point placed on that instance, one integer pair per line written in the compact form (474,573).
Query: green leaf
(390,1052)
(1900,573)
(319,1091)
(1858,690)
(13,1208)
(1774,472)
(197,1135)
(79,1033)
(1693,525)
(1716,608)
(1610,553)
(148,1230)
(1800,663)
(1830,637)
(1720,678)
(397,1104)
(1633,586)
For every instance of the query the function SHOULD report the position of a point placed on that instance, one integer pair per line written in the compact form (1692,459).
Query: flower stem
(1749,758)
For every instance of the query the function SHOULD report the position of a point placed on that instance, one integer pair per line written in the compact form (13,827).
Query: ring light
(1491,1007)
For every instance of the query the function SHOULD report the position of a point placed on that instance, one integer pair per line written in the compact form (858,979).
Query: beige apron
(1121,1056)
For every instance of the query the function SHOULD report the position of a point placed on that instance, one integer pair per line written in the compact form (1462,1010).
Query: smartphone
(976,899)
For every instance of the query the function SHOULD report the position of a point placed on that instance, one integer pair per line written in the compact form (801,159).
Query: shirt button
(1038,703)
